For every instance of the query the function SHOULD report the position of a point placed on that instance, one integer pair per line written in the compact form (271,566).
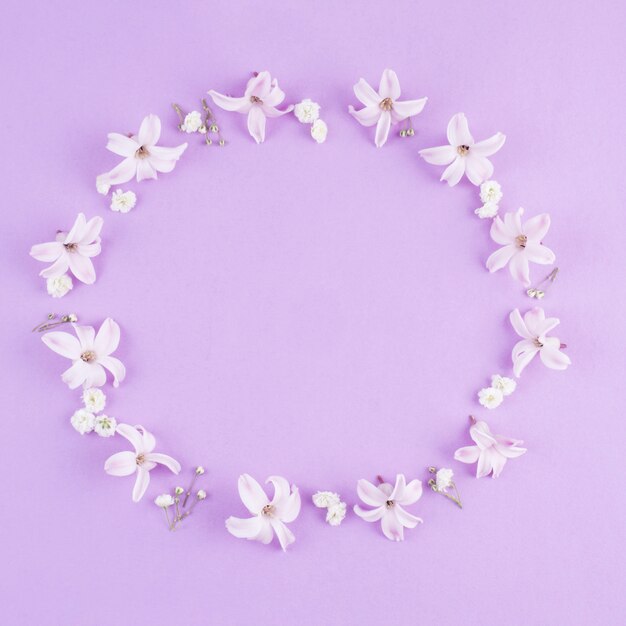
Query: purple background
(317,311)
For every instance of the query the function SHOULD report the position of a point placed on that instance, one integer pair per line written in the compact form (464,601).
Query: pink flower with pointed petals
(259,102)
(491,451)
(383,108)
(533,328)
(141,461)
(90,354)
(269,516)
(388,501)
(142,157)
(521,244)
(72,251)
(463,155)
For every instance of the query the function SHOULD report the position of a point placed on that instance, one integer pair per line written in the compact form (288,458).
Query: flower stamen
(463,150)
(268,510)
(537,343)
(88,356)
(140,459)
(142,153)
(521,241)
(256,100)
(386,104)
(71,247)
(390,504)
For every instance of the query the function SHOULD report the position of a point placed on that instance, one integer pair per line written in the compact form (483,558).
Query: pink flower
(90,354)
(142,157)
(491,451)
(463,154)
(72,250)
(142,460)
(521,244)
(259,102)
(388,500)
(382,108)
(534,328)
(269,516)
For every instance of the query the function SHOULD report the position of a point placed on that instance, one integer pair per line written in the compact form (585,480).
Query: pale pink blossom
(259,102)
(521,244)
(491,451)
(269,516)
(464,155)
(141,461)
(382,107)
(533,329)
(72,251)
(388,501)
(90,354)
(142,157)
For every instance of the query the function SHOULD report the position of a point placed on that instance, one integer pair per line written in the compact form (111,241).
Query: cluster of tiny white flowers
(59,285)
(86,420)
(308,112)
(164,500)
(443,479)
(123,201)
(193,123)
(490,194)
(336,509)
(501,386)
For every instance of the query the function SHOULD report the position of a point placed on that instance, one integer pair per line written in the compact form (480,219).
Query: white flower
(201,495)
(325,499)
(336,514)
(102,186)
(94,399)
(505,385)
(105,426)
(490,398)
(319,130)
(72,317)
(164,500)
(307,111)
(490,192)
(83,421)
(489,209)
(192,123)
(59,285)
(443,479)
(123,201)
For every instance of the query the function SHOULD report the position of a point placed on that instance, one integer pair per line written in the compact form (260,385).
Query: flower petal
(275,96)
(108,338)
(454,172)
(141,483)
(259,85)
(164,459)
(537,227)
(122,145)
(89,250)
(47,252)
(498,462)
(382,129)
(490,146)
(248,528)
(115,366)
(369,515)
(369,493)
(256,124)
(519,325)
(58,268)
(122,172)
(161,153)
(412,492)
(389,85)
(468,454)
(121,464)
(536,253)
(82,267)
(477,168)
(133,435)
(522,354)
(484,466)
(408,108)
(63,343)
(149,131)
(552,357)
(391,526)
(291,508)
(501,233)
(95,376)
(509,447)
(75,375)
(251,494)
(148,439)
(271,112)
(519,268)
(285,536)
(145,170)
(86,335)
(481,435)
(498,259)
(458,131)
(367,116)
(366,94)
(241,105)
(534,320)
(406,519)
(92,230)
(441,155)
(281,490)
(398,489)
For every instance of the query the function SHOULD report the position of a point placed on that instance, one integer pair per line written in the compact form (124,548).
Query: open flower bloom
(490,451)
(90,354)
(141,461)
(533,328)
(521,244)
(382,108)
(259,102)
(142,157)
(388,501)
(463,155)
(72,251)
(269,516)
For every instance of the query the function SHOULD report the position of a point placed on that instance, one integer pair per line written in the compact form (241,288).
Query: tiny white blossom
(319,130)
(72,317)
(59,285)
(505,385)
(201,495)
(193,122)
(123,201)
(94,399)
(203,129)
(164,500)
(105,425)
(336,514)
(83,421)
(307,111)
(324,499)
(102,186)
(489,209)
(490,398)
(443,479)
(490,192)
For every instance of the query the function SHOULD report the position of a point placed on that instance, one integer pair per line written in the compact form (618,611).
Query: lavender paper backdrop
(320,312)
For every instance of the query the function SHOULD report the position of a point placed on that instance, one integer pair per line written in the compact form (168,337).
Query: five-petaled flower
(383,108)
(491,451)
(270,516)
(463,155)
(142,157)
(142,460)
(90,354)
(72,251)
(521,244)
(259,102)
(388,501)
(533,328)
